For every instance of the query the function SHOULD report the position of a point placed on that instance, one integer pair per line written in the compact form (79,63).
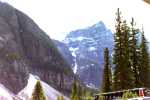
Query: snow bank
(25,94)
(5,94)
(51,93)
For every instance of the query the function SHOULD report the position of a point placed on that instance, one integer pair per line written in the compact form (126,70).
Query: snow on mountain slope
(25,94)
(51,93)
(86,46)
(73,50)
(5,94)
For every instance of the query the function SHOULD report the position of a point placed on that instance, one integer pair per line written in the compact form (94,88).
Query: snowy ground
(5,94)
(25,94)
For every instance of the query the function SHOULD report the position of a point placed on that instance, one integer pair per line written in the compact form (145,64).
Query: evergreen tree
(88,96)
(144,70)
(131,60)
(74,92)
(106,85)
(134,53)
(80,92)
(122,74)
(38,93)
(84,92)
(117,57)
(128,76)
(60,98)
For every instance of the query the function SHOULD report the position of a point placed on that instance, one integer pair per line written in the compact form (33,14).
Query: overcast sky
(58,17)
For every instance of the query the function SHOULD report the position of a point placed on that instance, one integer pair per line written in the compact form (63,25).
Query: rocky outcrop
(66,53)
(24,49)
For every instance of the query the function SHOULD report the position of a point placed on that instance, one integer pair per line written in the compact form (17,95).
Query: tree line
(131,63)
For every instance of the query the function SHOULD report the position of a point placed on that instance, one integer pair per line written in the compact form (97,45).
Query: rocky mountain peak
(86,46)
(94,30)
(99,25)
(25,49)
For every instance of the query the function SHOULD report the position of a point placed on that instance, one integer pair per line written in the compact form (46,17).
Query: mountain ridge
(25,49)
(86,46)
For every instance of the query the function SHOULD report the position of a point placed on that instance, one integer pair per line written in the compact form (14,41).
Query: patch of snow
(5,94)
(73,52)
(73,49)
(89,39)
(90,85)
(92,49)
(72,39)
(51,93)
(75,67)
(82,67)
(27,91)
(92,64)
(80,38)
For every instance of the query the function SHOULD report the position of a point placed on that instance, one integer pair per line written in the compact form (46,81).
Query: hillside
(25,49)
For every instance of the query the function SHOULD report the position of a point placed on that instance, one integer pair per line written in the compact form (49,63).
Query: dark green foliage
(134,53)
(123,74)
(117,52)
(144,70)
(106,85)
(131,58)
(38,93)
(128,78)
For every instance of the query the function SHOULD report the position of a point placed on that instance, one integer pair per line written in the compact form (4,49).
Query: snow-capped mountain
(26,93)
(86,46)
